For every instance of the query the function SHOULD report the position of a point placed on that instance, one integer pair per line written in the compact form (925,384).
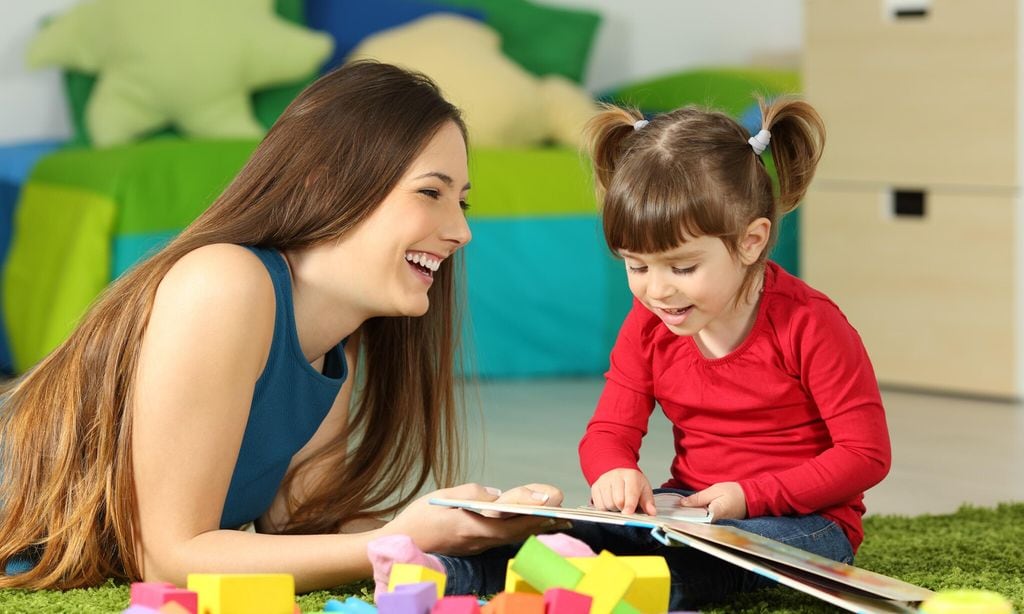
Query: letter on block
(457,604)
(155,594)
(244,593)
(607,582)
(514,603)
(543,568)
(416,598)
(407,573)
(564,601)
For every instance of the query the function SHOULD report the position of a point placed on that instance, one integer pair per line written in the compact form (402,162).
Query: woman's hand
(725,500)
(625,490)
(452,531)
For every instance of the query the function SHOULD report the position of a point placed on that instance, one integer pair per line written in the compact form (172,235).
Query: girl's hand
(725,500)
(444,530)
(625,490)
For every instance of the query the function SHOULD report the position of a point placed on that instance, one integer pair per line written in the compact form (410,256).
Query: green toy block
(543,568)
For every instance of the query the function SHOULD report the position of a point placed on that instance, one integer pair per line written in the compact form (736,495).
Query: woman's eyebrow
(443,177)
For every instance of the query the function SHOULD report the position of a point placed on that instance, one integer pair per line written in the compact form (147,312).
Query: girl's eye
(684,271)
(435,194)
(636,269)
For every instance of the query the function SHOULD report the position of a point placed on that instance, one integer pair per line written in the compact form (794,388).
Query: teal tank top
(290,401)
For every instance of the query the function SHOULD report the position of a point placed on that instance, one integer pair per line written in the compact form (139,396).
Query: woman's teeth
(425,261)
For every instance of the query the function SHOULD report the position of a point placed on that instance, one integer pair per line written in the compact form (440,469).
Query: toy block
(565,601)
(352,605)
(244,593)
(514,583)
(624,607)
(138,609)
(457,604)
(155,594)
(406,573)
(543,568)
(514,603)
(173,607)
(416,598)
(651,587)
(607,581)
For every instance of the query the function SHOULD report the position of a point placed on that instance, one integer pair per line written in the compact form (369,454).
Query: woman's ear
(754,240)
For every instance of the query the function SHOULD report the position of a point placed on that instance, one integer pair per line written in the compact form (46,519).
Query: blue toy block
(416,598)
(352,605)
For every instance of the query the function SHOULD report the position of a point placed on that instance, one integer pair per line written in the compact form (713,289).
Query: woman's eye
(464,204)
(435,194)
(684,271)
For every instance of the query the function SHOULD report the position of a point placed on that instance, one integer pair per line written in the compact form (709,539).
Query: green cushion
(149,79)
(730,90)
(544,40)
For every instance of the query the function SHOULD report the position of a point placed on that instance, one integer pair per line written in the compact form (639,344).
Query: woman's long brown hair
(67,491)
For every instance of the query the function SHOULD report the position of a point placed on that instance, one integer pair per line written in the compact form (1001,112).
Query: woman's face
(392,255)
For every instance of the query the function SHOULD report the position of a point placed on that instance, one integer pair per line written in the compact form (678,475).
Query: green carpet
(973,548)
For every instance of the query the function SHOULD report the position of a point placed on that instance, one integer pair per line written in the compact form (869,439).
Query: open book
(845,586)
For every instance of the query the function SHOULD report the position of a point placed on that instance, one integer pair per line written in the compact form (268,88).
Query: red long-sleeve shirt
(793,414)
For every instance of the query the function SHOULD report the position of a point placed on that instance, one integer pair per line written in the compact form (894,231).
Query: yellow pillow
(504,106)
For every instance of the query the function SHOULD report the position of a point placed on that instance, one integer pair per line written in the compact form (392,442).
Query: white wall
(644,38)
(32,105)
(637,39)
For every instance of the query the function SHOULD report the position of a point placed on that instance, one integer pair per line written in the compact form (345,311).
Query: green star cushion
(190,64)
(544,40)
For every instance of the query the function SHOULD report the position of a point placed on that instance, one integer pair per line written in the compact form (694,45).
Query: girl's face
(390,258)
(693,288)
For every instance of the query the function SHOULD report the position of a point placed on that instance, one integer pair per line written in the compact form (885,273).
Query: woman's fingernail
(540,496)
(494,491)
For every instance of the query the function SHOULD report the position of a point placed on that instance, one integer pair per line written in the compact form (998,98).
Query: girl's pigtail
(606,137)
(797,141)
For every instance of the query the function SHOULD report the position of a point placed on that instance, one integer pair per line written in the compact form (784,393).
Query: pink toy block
(416,598)
(514,603)
(155,594)
(458,604)
(564,601)
(139,609)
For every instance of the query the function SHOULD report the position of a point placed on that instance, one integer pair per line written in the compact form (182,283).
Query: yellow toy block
(243,593)
(607,581)
(649,592)
(406,573)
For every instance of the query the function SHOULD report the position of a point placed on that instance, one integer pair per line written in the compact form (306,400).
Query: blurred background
(107,150)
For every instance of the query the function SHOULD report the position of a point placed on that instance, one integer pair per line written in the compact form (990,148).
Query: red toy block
(458,604)
(155,594)
(564,601)
(514,603)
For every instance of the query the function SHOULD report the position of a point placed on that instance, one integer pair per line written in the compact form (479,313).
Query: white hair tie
(640,123)
(760,141)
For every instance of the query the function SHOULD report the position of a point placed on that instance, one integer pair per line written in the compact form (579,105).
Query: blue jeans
(697,578)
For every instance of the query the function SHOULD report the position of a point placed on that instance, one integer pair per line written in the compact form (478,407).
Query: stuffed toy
(192,64)
(503,104)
